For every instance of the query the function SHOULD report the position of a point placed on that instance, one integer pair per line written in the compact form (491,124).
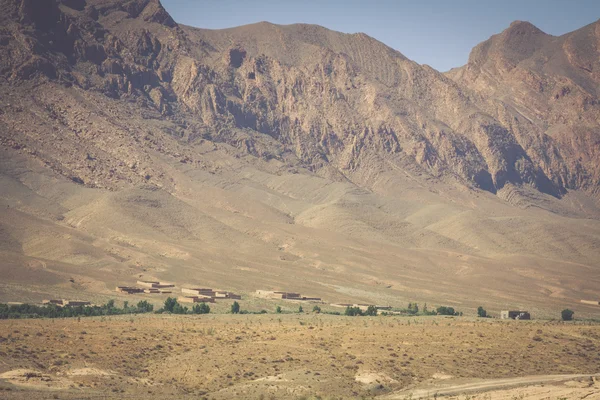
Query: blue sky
(435,32)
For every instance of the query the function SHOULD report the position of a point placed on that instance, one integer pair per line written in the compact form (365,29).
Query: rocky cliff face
(524,111)
(552,83)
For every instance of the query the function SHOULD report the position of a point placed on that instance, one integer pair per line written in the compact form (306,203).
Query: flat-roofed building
(591,302)
(195,299)
(129,289)
(513,314)
(202,291)
(155,284)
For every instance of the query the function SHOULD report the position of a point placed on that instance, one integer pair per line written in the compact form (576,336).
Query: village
(195,295)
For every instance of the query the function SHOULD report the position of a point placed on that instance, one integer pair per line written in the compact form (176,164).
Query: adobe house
(155,284)
(270,294)
(200,291)
(157,291)
(362,307)
(76,303)
(58,302)
(591,302)
(221,294)
(304,298)
(515,315)
(195,299)
(129,289)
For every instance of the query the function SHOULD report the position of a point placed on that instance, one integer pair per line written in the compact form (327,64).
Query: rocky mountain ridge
(344,106)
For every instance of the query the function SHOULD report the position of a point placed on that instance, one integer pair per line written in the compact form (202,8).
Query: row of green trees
(172,306)
(16,311)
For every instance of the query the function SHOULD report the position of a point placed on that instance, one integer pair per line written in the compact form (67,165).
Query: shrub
(413,308)
(170,304)
(179,309)
(443,310)
(235,308)
(300,309)
(567,315)
(371,311)
(316,309)
(201,308)
(353,311)
(144,306)
(481,312)
(278,310)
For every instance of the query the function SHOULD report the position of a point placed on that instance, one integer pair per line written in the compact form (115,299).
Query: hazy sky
(440,33)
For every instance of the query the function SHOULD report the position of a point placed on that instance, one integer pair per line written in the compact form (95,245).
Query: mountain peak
(522,28)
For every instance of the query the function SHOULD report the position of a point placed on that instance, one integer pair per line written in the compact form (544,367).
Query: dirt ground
(294,356)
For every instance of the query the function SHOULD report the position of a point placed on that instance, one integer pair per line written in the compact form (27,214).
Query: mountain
(551,82)
(269,156)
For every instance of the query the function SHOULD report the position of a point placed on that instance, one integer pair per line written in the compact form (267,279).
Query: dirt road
(488,385)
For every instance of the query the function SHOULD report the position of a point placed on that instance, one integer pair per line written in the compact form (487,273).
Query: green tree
(201,308)
(567,315)
(316,309)
(443,310)
(110,304)
(300,309)
(170,304)
(125,305)
(235,307)
(278,310)
(371,311)
(481,312)
(144,306)
(353,311)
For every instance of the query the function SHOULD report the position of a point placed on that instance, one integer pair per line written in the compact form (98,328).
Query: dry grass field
(296,356)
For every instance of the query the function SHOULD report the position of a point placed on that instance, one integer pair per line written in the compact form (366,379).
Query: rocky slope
(132,146)
(552,82)
(344,105)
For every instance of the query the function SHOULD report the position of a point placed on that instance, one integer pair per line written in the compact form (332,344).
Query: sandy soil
(294,356)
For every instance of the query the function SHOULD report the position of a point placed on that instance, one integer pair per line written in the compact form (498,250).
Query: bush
(443,310)
(201,308)
(567,315)
(179,309)
(353,311)
(481,312)
(235,308)
(316,309)
(413,308)
(371,311)
(300,309)
(278,310)
(144,306)
(170,304)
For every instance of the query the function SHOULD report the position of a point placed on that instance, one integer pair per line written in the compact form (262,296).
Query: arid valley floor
(292,356)
(300,159)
